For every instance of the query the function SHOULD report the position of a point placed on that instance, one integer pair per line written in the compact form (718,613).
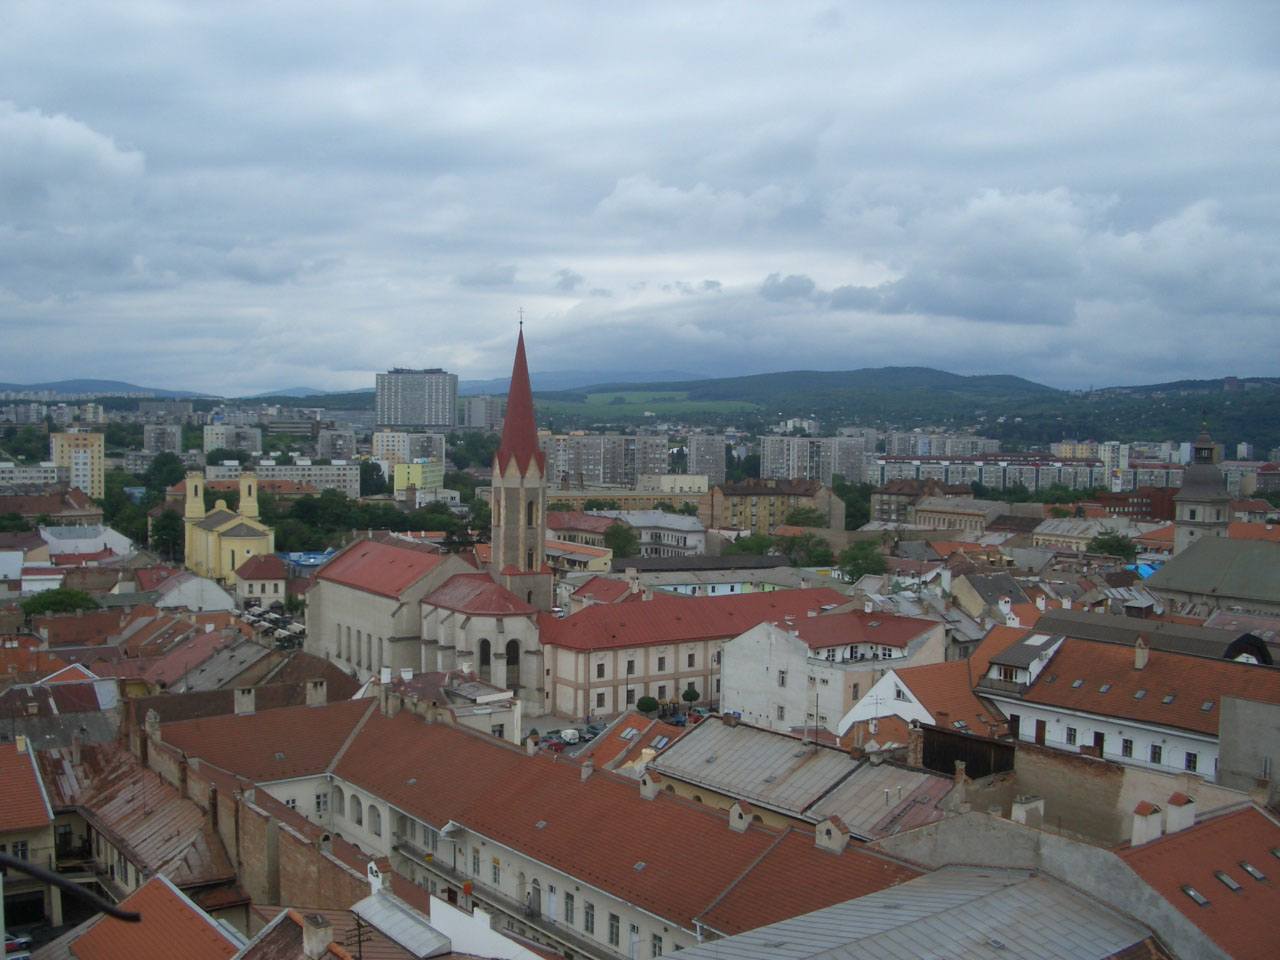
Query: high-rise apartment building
(162,437)
(483,413)
(610,458)
(417,398)
(812,458)
(395,446)
(706,456)
(79,457)
(226,436)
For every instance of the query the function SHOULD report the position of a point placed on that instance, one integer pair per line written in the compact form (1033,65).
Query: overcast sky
(232,197)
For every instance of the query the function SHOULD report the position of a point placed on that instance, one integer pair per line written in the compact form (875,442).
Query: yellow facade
(421,475)
(220,541)
(81,456)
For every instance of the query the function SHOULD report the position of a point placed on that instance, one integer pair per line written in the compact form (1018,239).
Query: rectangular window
(631,697)
(495,873)
(1071,736)
(655,946)
(19,850)
(662,664)
(1190,762)
(292,803)
(588,917)
(322,803)
(568,908)
(782,712)
(1126,748)
(599,671)
(631,667)
(475,863)
(499,730)
(1156,753)
(614,929)
(662,692)
(693,657)
(600,701)
(782,678)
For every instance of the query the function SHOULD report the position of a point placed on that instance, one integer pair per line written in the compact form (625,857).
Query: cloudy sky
(233,197)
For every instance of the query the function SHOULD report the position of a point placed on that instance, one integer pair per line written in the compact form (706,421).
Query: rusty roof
(477,594)
(387,569)
(169,918)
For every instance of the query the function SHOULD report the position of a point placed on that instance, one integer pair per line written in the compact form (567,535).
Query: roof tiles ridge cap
(355,732)
(698,917)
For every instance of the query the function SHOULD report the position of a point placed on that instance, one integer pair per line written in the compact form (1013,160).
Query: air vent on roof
(710,759)
(540,824)
(279,756)
(1199,898)
(1227,881)
(640,865)
(1168,699)
(1207,706)
(1139,694)
(1077,684)
(1252,871)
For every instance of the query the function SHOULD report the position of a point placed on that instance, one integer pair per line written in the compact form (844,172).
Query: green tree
(131,520)
(647,705)
(222,453)
(58,601)
(806,517)
(598,504)
(13,523)
(862,558)
(691,695)
(688,509)
(857,501)
(168,534)
(622,540)
(806,550)
(1114,544)
(757,544)
(373,481)
(165,470)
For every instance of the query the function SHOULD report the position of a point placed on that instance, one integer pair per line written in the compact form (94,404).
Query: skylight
(1227,881)
(1104,688)
(1207,706)
(640,865)
(1199,898)
(1168,699)
(1252,871)
(1077,684)
(1139,694)
(661,742)
(629,733)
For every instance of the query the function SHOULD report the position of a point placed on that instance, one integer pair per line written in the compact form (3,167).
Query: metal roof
(1117,628)
(957,912)
(406,926)
(1027,650)
(1227,569)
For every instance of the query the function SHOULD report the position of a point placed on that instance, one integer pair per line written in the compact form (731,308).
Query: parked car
(552,743)
(16,945)
(570,735)
(592,730)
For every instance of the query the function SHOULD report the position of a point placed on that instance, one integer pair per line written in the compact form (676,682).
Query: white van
(570,735)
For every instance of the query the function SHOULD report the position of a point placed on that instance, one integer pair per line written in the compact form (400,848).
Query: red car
(552,744)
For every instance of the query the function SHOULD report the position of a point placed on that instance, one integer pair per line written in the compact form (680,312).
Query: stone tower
(1202,508)
(519,523)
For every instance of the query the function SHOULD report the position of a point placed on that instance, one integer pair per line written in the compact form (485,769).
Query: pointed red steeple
(519,429)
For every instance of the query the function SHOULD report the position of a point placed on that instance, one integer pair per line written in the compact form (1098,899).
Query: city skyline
(250,198)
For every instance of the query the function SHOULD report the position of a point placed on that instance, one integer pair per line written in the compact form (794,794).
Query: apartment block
(78,457)
(225,436)
(706,456)
(417,398)
(812,458)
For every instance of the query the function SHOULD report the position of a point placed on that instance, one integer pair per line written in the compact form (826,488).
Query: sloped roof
(1193,683)
(169,918)
(74,629)
(626,739)
(1240,921)
(272,744)
(577,520)
(1254,531)
(946,691)
(386,569)
(1218,566)
(265,566)
(602,589)
(667,856)
(477,594)
(217,518)
(856,626)
(519,428)
(668,619)
(23,805)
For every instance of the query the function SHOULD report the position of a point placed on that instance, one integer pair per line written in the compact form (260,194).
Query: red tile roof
(1254,531)
(75,673)
(577,520)
(478,595)
(519,428)
(81,559)
(26,660)
(946,691)
(273,744)
(382,568)
(168,919)
(602,589)
(855,626)
(150,578)
(667,856)
(1192,682)
(667,619)
(616,749)
(23,805)
(265,566)
(75,629)
(1239,921)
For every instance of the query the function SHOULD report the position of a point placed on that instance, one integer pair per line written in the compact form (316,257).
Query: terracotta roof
(771,488)
(667,619)
(1161,535)
(300,665)
(855,626)
(72,629)
(617,748)
(1254,531)
(57,502)
(23,805)
(667,856)
(946,691)
(265,566)
(80,559)
(386,569)
(586,550)
(577,520)
(519,428)
(272,744)
(1188,683)
(75,673)
(26,660)
(168,918)
(149,578)
(602,589)
(478,595)
(1238,920)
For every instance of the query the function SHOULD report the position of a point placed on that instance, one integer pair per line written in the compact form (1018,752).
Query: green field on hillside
(631,404)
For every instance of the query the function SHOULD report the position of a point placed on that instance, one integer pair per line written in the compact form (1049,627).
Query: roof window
(1227,881)
(1050,678)
(661,742)
(629,733)
(279,756)
(1077,684)
(640,865)
(1252,871)
(1207,706)
(1104,688)
(1199,898)
(1139,694)
(1168,699)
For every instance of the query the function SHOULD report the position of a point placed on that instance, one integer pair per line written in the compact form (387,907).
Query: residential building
(677,484)
(162,437)
(226,436)
(812,458)
(263,578)
(219,541)
(417,398)
(957,513)
(482,413)
(421,474)
(566,557)
(1032,470)
(41,474)
(894,502)
(663,534)
(918,443)
(706,456)
(758,506)
(27,833)
(57,503)
(78,457)
(340,475)
(336,444)
(1075,535)
(604,658)
(574,526)
(580,459)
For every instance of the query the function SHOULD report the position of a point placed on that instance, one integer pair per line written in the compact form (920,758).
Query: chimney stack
(1179,813)
(739,816)
(1146,823)
(650,785)
(244,700)
(588,768)
(868,606)
(1140,654)
(317,934)
(317,692)
(915,745)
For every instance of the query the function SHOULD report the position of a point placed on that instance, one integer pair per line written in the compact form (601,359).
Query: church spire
(519,429)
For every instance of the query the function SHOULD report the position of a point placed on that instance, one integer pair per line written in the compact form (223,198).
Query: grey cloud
(791,287)
(493,275)
(568,281)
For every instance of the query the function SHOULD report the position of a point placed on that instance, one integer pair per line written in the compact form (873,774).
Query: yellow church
(219,541)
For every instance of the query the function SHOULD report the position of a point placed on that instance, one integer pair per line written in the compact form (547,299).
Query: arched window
(339,804)
(375,821)
(357,811)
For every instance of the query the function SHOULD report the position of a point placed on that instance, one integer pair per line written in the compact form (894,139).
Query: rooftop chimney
(915,745)
(1028,810)
(244,700)
(406,673)
(1179,813)
(1040,602)
(868,606)
(317,692)
(317,934)
(1146,823)
(1140,654)
(588,768)
(384,676)
(650,785)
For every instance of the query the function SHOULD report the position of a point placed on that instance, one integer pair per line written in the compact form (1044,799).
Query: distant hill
(99,386)
(1194,386)
(554,381)
(305,392)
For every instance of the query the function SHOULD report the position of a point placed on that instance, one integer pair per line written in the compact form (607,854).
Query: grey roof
(216,519)
(242,530)
(396,919)
(996,585)
(655,518)
(807,781)
(223,667)
(697,562)
(1027,650)
(86,532)
(960,913)
(1203,481)
(127,599)
(1117,628)
(1230,569)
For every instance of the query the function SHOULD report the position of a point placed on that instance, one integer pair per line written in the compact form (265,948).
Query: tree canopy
(58,601)
(622,540)
(862,558)
(1114,544)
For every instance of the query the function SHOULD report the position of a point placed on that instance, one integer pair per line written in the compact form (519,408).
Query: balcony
(992,685)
